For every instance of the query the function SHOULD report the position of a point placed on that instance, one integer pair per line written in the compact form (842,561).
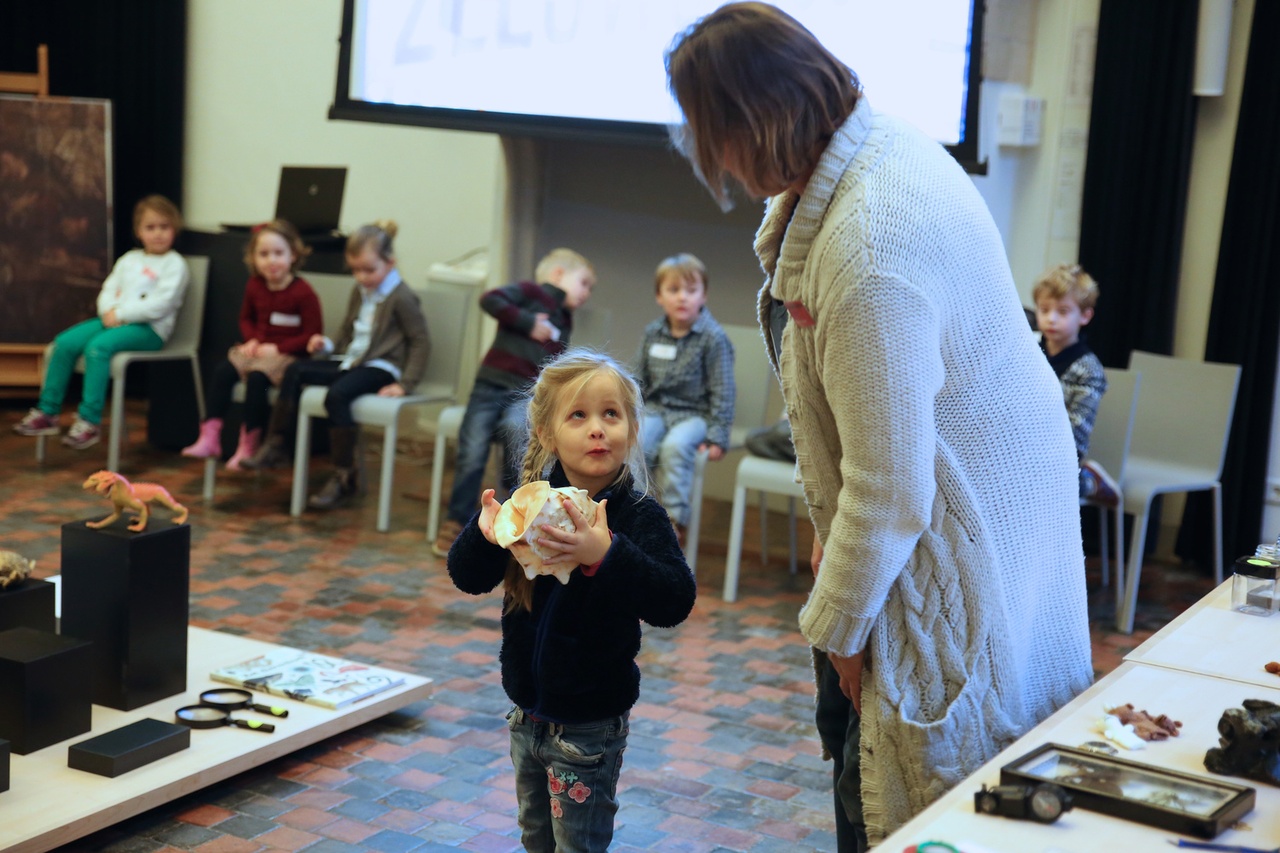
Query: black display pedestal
(28,604)
(127,592)
(44,688)
(128,747)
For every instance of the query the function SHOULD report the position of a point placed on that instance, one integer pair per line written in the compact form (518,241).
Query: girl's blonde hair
(684,265)
(161,205)
(1063,281)
(377,235)
(751,79)
(558,385)
(286,232)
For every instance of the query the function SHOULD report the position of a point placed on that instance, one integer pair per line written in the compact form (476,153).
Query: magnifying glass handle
(273,710)
(256,725)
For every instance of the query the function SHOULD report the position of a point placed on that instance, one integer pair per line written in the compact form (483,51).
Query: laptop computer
(309,197)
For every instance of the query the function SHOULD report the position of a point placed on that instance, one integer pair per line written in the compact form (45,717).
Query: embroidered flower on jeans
(557,810)
(558,784)
(579,792)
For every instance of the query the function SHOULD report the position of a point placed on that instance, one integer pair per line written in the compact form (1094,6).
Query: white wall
(260,80)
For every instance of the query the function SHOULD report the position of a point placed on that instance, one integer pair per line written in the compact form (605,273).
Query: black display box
(28,604)
(44,688)
(4,766)
(128,747)
(127,592)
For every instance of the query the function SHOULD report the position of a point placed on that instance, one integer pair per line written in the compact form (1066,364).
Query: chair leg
(437,486)
(1103,521)
(791,515)
(389,439)
(1120,564)
(116,434)
(732,562)
(210,476)
(695,512)
(1125,615)
(764,528)
(40,449)
(301,461)
(1217,533)
(199,386)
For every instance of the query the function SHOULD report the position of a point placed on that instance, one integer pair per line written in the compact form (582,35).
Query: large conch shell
(518,524)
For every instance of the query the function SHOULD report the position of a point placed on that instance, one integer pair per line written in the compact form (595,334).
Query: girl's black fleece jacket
(572,659)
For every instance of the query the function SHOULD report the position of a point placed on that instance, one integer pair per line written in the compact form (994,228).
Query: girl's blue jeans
(567,781)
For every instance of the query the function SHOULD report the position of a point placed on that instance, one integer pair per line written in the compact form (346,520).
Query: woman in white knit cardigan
(948,610)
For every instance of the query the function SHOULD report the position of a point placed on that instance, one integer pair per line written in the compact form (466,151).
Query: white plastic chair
(334,291)
(183,343)
(1109,447)
(450,309)
(766,476)
(752,379)
(1179,444)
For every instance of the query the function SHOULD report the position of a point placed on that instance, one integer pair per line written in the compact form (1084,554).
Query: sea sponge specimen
(518,524)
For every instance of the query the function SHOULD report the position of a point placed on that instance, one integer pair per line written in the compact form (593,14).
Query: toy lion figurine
(131,496)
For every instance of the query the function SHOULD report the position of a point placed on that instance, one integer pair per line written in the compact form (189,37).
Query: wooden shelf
(22,365)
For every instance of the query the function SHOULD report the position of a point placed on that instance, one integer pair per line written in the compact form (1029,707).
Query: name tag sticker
(799,314)
(666,352)
(278,319)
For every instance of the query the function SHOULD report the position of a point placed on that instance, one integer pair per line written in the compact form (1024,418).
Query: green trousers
(97,344)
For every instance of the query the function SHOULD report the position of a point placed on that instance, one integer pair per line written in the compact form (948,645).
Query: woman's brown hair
(751,78)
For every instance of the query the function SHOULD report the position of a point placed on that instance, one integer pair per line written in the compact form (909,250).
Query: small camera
(1043,803)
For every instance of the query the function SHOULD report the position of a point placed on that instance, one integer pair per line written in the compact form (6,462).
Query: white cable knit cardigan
(936,458)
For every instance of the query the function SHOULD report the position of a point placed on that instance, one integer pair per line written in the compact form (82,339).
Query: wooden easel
(27,83)
(22,365)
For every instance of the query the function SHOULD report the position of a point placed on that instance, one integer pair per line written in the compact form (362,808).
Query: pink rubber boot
(250,440)
(210,441)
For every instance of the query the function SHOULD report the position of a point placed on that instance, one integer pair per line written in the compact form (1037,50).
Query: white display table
(1207,660)
(49,804)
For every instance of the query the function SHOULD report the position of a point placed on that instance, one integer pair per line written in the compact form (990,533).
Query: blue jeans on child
(493,414)
(567,781)
(672,452)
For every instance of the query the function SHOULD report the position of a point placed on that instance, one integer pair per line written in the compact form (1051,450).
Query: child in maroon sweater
(279,315)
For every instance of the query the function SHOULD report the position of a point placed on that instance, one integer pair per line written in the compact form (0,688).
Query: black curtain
(1245,317)
(130,51)
(1139,158)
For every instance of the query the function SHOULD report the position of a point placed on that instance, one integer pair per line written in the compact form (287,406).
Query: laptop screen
(310,197)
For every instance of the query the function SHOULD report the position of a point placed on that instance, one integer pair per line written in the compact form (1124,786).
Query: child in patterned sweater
(1065,296)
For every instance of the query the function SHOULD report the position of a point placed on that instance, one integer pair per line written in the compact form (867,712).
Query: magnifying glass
(208,717)
(231,698)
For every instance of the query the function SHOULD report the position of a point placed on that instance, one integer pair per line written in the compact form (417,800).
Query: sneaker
(82,434)
(37,423)
(1100,487)
(449,531)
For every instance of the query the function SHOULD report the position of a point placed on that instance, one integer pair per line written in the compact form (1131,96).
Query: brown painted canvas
(55,213)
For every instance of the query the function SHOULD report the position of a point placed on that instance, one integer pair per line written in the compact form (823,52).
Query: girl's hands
(315,343)
(489,507)
(585,546)
(395,389)
(250,348)
(110,319)
(266,350)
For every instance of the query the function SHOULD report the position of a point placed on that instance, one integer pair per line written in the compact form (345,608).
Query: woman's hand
(395,389)
(815,557)
(315,343)
(489,507)
(584,546)
(850,671)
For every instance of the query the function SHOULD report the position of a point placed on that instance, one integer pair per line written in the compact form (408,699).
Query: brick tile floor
(723,754)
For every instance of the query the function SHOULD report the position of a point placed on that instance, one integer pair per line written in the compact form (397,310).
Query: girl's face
(369,268)
(155,232)
(273,259)
(591,434)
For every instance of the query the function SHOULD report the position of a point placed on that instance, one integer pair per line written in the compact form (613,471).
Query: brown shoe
(341,486)
(271,454)
(449,530)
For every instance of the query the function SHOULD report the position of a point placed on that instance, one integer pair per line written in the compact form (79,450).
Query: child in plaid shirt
(685,368)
